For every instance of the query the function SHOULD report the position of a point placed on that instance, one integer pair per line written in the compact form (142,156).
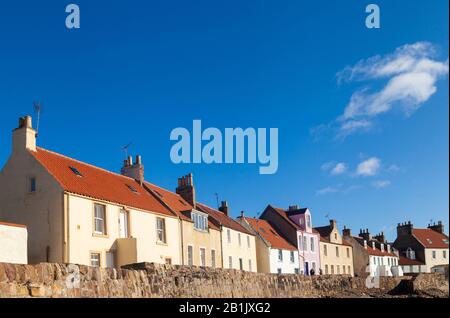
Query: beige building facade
(78,213)
(336,254)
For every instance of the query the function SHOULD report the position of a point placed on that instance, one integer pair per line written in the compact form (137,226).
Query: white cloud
(411,74)
(380,184)
(327,165)
(327,190)
(338,169)
(369,167)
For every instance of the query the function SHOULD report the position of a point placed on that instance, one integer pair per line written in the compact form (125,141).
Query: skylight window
(132,188)
(75,170)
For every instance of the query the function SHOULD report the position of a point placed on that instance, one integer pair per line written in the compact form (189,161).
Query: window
(296,271)
(213,258)
(332,269)
(76,172)
(202,257)
(349,270)
(444,254)
(312,244)
(279,271)
(325,250)
(132,189)
(433,254)
(32,185)
(326,269)
(241,264)
(100,219)
(95,260)
(308,220)
(229,236)
(338,269)
(292,257)
(343,270)
(250,265)
(168,261)
(300,242)
(335,236)
(348,252)
(248,241)
(190,255)
(337,251)
(161,230)
(280,255)
(389,261)
(123,224)
(200,221)
(239,239)
(230,262)
(305,244)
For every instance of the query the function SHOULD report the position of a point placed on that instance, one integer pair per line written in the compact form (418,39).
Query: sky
(362,113)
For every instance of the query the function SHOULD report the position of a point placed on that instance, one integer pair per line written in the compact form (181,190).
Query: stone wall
(156,281)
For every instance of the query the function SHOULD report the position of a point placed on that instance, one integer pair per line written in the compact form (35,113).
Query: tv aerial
(125,149)
(37,109)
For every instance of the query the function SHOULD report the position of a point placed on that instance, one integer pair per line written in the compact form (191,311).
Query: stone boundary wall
(166,281)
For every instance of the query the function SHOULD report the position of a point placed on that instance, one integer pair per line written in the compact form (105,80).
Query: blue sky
(136,70)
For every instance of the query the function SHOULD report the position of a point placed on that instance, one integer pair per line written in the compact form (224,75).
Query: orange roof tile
(266,230)
(430,238)
(406,261)
(176,203)
(98,183)
(222,218)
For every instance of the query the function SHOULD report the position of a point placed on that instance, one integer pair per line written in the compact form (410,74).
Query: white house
(274,253)
(13,243)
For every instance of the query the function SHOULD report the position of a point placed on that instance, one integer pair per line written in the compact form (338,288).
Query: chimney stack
(224,207)
(135,171)
(346,232)
(333,224)
(186,189)
(380,238)
(404,229)
(294,207)
(365,234)
(24,136)
(439,227)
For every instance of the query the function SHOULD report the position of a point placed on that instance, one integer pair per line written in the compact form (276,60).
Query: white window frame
(213,258)
(91,258)
(190,255)
(229,236)
(202,256)
(161,235)
(100,219)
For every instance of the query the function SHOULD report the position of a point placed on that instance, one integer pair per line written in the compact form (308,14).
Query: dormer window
(200,221)
(410,253)
(373,245)
(308,220)
(382,247)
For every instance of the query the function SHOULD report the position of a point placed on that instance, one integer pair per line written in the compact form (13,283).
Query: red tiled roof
(283,214)
(98,183)
(13,225)
(266,230)
(222,218)
(406,261)
(430,238)
(176,203)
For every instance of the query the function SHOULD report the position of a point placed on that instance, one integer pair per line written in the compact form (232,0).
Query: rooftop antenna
(217,199)
(327,216)
(37,108)
(125,149)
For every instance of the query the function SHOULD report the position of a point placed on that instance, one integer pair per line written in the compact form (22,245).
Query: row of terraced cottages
(78,213)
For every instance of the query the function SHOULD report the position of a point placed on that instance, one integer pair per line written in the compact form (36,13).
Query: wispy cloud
(338,189)
(334,168)
(381,184)
(411,74)
(369,167)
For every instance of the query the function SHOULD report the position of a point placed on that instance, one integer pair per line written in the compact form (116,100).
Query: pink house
(295,224)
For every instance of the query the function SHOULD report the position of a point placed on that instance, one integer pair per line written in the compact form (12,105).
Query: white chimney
(24,136)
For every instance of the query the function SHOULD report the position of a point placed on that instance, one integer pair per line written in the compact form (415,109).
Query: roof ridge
(85,163)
